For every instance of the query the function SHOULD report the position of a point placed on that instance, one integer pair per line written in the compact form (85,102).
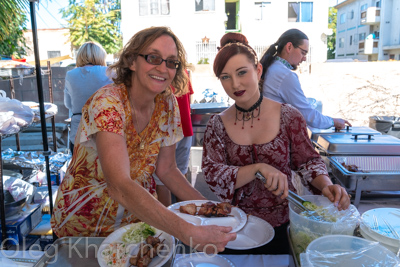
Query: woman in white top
(81,82)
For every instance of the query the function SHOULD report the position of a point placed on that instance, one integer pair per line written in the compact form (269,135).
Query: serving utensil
(292,197)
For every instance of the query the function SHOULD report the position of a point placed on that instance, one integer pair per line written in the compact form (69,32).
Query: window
(351,39)
(350,15)
(261,9)
(343,18)
(341,42)
(53,54)
(361,36)
(153,7)
(300,11)
(391,56)
(364,7)
(378,4)
(205,5)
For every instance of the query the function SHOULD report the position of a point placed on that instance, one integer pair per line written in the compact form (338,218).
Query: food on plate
(138,232)
(189,209)
(208,209)
(116,254)
(147,251)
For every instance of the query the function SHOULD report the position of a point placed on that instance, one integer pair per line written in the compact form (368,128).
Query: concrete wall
(26,90)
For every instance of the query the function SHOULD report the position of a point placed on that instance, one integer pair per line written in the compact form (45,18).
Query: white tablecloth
(238,260)
(255,260)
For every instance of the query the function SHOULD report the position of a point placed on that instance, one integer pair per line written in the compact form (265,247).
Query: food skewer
(147,251)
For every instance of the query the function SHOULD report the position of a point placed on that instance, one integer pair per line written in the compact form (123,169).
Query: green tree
(12,24)
(332,38)
(94,20)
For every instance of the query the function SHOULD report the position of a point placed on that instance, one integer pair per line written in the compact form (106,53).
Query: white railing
(205,52)
(260,49)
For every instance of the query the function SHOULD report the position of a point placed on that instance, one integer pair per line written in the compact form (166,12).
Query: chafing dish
(314,133)
(358,144)
(381,173)
(200,114)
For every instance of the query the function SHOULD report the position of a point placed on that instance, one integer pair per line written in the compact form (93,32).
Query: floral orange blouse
(83,206)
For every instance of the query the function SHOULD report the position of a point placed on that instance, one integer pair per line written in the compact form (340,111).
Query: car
(68,63)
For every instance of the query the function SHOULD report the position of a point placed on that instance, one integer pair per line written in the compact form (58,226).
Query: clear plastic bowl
(304,229)
(348,251)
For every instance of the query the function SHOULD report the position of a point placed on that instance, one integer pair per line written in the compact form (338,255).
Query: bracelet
(333,122)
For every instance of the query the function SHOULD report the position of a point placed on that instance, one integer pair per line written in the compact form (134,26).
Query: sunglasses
(157,60)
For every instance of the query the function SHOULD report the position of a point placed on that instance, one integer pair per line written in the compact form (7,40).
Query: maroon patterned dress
(290,150)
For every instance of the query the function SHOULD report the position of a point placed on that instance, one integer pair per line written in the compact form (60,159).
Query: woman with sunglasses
(128,131)
(281,84)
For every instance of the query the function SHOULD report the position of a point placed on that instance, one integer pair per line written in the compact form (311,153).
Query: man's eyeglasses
(303,51)
(157,60)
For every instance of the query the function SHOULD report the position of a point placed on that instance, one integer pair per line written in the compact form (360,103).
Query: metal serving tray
(314,133)
(378,173)
(366,145)
(72,251)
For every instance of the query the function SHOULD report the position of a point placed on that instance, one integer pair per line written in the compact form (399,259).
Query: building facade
(368,30)
(51,42)
(200,24)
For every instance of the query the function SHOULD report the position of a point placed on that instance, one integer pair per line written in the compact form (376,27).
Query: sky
(47,14)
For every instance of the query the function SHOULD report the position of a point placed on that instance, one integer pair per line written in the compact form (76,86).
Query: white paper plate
(202,260)
(382,233)
(389,247)
(255,233)
(116,237)
(237,221)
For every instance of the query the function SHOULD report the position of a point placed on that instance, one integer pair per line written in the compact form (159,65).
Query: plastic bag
(348,251)
(19,189)
(304,227)
(23,115)
(8,124)
(49,108)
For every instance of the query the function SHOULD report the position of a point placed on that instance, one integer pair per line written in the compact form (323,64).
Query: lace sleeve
(304,159)
(220,177)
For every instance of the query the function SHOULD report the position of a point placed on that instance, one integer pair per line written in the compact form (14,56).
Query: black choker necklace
(248,114)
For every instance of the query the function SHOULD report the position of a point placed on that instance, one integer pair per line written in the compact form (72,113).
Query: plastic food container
(304,229)
(348,251)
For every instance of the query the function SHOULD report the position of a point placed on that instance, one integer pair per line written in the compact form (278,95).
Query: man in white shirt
(281,84)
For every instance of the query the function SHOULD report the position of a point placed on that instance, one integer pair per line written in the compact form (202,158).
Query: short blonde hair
(91,53)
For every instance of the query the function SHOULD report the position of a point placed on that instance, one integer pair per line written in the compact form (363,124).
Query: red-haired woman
(259,134)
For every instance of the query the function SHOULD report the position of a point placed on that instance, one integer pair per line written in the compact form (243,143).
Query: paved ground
(355,90)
